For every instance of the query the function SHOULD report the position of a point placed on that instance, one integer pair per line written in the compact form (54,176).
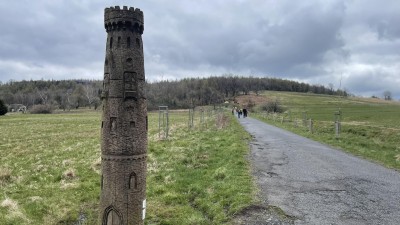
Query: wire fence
(197,118)
(305,122)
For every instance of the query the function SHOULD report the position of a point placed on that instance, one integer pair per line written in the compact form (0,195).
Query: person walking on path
(244,113)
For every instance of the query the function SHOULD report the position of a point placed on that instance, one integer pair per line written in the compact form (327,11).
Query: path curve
(318,184)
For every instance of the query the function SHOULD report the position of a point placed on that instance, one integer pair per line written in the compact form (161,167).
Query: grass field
(370,127)
(50,170)
(50,164)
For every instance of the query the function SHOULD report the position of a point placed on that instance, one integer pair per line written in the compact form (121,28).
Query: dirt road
(317,184)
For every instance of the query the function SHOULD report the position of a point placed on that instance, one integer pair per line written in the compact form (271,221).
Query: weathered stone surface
(124,120)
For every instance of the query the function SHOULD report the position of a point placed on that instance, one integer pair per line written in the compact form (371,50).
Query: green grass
(50,170)
(370,127)
(40,150)
(198,176)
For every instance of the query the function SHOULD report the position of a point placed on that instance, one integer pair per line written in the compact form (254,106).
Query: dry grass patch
(222,121)
(96,165)
(244,100)
(69,174)
(13,209)
(5,176)
(68,179)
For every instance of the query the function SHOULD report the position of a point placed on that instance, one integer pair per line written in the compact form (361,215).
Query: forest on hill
(184,93)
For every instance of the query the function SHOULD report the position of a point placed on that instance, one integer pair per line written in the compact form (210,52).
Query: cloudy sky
(355,43)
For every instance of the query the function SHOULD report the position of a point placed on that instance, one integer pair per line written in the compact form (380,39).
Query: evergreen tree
(3,108)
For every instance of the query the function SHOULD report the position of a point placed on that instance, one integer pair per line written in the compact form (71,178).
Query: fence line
(163,122)
(305,121)
(195,118)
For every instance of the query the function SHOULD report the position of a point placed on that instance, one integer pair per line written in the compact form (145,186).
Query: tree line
(184,93)
(61,94)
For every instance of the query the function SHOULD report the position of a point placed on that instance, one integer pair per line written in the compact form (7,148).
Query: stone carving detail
(133,181)
(129,61)
(132,126)
(123,158)
(113,125)
(130,107)
(106,85)
(129,64)
(112,217)
(138,42)
(130,85)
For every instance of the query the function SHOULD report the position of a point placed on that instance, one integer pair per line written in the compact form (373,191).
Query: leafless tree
(44,95)
(387,95)
(330,85)
(90,94)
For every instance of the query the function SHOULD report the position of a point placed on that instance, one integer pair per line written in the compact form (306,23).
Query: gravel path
(316,184)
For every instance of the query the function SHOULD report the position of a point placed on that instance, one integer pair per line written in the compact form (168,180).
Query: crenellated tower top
(116,18)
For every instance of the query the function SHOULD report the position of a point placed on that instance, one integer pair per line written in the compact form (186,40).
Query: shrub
(3,108)
(250,105)
(41,109)
(273,107)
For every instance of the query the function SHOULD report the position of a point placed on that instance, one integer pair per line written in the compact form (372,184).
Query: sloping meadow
(370,128)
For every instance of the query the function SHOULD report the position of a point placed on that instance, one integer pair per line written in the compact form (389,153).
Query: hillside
(370,127)
(177,94)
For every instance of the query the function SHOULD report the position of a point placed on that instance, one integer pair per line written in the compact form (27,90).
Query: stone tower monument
(124,120)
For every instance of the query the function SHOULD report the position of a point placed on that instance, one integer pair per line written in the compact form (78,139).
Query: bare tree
(90,94)
(44,95)
(257,86)
(330,85)
(387,95)
(68,99)
(77,97)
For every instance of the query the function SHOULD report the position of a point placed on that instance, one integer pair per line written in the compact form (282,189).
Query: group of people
(239,112)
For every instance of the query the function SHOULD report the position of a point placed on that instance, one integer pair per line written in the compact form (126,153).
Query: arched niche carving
(112,216)
(128,42)
(138,43)
(113,125)
(133,181)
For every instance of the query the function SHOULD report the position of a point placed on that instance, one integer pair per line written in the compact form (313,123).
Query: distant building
(17,108)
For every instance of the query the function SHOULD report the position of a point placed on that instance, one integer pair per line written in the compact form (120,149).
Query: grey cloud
(314,41)
(372,82)
(59,33)
(249,41)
